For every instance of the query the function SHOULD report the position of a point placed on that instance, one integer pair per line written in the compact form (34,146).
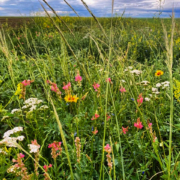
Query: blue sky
(101,8)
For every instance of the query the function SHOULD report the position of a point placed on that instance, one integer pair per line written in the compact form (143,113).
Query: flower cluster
(46,170)
(55,146)
(97,88)
(177,90)
(138,124)
(15,111)
(19,168)
(34,148)
(140,99)
(31,103)
(125,130)
(21,88)
(78,149)
(11,141)
(54,88)
(108,149)
(78,78)
(95,116)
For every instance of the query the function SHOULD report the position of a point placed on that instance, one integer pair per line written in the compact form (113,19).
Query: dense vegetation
(84,101)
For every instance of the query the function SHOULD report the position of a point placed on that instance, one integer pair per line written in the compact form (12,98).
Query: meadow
(90,98)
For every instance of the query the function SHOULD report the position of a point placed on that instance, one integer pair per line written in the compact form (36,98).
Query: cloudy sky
(133,8)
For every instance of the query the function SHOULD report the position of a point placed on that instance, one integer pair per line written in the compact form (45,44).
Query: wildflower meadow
(90,99)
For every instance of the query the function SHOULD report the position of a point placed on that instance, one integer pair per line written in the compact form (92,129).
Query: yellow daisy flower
(159,73)
(70,98)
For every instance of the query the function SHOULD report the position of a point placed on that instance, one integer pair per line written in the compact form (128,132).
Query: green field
(89,99)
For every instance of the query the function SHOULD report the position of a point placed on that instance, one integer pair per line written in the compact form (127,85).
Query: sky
(100,8)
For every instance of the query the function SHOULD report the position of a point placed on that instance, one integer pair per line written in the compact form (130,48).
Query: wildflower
(15,110)
(96,86)
(147,99)
(107,117)
(108,149)
(140,99)
(122,90)
(70,98)
(159,73)
(149,125)
(54,88)
(78,149)
(67,86)
(55,146)
(123,81)
(137,72)
(154,137)
(109,80)
(158,85)
(138,124)
(176,88)
(78,78)
(75,134)
(95,116)
(95,131)
(19,168)
(34,147)
(125,130)
(132,99)
(46,169)
(19,90)
(26,82)
(145,83)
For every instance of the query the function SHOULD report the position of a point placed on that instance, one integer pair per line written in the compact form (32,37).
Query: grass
(52,52)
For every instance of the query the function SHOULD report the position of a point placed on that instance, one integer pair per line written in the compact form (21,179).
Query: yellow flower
(70,98)
(19,89)
(159,73)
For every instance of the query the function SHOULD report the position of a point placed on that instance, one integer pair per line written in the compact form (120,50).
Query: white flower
(15,110)
(137,72)
(156,92)
(123,80)
(33,107)
(130,67)
(154,89)
(158,85)
(9,132)
(145,83)
(150,95)
(166,82)
(20,138)
(33,148)
(43,107)
(147,99)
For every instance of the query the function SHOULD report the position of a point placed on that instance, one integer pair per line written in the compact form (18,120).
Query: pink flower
(149,125)
(21,155)
(108,80)
(95,131)
(138,124)
(122,90)
(96,86)
(107,148)
(107,117)
(67,87)
(124,130)
(95,116)
(78,78)
(140,99)
(26,82)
